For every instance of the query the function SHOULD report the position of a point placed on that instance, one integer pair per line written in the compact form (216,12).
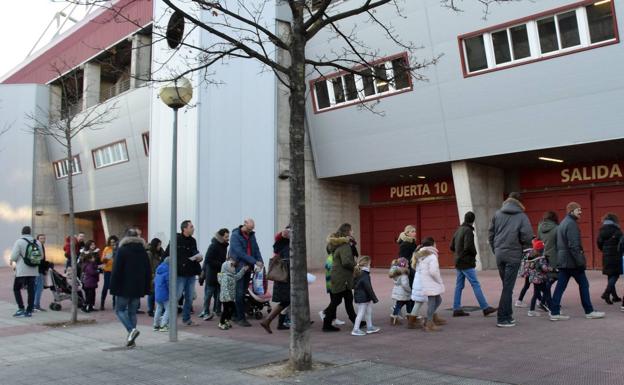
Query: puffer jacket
(227,280)
(608,241)
(364,292)
(131,271)
(343,263)
(401,290)
(547,233)
(161,282)
(510,232)
(570,253)
(429,270)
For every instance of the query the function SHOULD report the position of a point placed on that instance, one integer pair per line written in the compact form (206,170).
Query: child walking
(364,297)
(90,278)
(401,292)
(537,269)
(161,297)
(432,286)
(227,279)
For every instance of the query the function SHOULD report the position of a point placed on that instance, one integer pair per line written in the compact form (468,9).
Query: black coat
(406,249)
(570,253)
(132,274)
(187,247)
(608,241)
(463,246)
(281,248)
(215,256)
(363,289)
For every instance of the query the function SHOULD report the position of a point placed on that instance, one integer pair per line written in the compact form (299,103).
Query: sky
(21,23)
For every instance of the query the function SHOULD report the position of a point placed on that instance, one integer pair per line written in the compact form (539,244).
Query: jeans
(336,299)
(18,284)
(186,286)
(399,305)
(433,303)
(562,282)
(471,275)
(38,291)
(161,314)
(364,310)
(508,272)
(544,290)
(125,309)
(209,292)
(241,288)
(151,301)
(105,287)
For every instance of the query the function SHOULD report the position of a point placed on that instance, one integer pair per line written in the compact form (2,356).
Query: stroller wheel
(258,315)
(55,306)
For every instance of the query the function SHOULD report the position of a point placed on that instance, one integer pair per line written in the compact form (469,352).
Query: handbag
(278,270)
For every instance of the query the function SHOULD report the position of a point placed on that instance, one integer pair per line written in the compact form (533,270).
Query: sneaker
(533,313)
(38,309)
(460,313)
(223,326)
(543,307)
(358,332)
(330,328)
(244,323)
(513,321)
(322,315)
(228,323)
(622,308)
(489,310)
(28,314)
(595,315)
(372,330)
(202,314)
(156,328)
(189,323)
(134,333)
(164,328)
(505,324)
(520,304)
(338,322)
(559,317)
(140,311)
(208,317)
(19,313)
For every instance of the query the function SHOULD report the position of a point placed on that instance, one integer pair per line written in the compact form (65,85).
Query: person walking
(107,268)
(227,280)
(281,290)
(342,246)
(155,254)
(364,297)
(509,234)
(428,268)
(401,291)
(215,256)
(26,255)
(161,297)
(547,233)
(407,246)
(189,267)
(130,281)
(608,240)
(245,251)
(90,278)
(44,266)
(463,246)
(571,263)
(536,269)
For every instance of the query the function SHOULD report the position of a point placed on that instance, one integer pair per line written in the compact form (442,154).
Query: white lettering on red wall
(572,175)
(414,191)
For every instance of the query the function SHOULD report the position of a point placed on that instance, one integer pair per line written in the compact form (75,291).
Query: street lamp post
(175,95)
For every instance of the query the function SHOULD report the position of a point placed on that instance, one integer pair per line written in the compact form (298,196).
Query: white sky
(21,23)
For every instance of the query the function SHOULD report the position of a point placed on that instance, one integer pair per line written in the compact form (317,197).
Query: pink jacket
(429,270)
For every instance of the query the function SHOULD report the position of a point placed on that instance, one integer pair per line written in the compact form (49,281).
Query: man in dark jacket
(188,264)
(130,280)
(463,246)
(215,256)
(509,234)
(571,263)
(245,251)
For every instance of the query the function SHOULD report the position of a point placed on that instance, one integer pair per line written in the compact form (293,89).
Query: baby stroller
(254,303)
(61,290)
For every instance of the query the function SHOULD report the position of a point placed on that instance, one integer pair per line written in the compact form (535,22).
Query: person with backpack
(27,255)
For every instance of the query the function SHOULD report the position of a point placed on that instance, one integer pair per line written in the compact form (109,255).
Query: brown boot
(413,322)
(430,326)
(394,320)
(437,320)
(266,323)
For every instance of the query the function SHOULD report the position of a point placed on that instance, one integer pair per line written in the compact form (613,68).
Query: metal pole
(173,244)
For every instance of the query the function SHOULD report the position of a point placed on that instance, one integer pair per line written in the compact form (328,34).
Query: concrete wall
(555,102)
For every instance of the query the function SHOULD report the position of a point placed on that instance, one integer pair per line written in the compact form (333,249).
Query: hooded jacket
(215,256)
(510,231)
(463,246)
(428,269)
(161,282)
(401,290)
(363,289)
(131,271)
(547,233)
(343,263)
(608,240)
(227,279)
(570,253)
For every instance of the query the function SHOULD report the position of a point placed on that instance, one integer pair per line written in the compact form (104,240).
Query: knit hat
(572,206)
(538,245)
(402,262)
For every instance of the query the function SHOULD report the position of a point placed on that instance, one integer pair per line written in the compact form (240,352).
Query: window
(564,30)
(61,167)
(110,154)
(385,77)
(145,138)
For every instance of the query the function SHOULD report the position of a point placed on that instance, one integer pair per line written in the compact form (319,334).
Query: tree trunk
(300,350)
(72,229)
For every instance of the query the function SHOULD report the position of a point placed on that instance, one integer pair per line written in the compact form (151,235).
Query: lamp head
(177,93)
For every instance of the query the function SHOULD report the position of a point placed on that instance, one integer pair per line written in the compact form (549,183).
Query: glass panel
(568,29)
(381,78)
(501,47)
(322,95)
(401,74)
(338,91)
(520,42)
(351,88)
(600,20)
(106,156)
(547,34)
(98,159)
(475,53)
(75,166)
(367,79)
(122,150)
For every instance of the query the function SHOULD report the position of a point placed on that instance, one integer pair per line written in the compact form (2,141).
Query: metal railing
(114,90)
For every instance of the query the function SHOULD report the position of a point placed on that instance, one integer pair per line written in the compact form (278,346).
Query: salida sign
(412,191)
(575,175)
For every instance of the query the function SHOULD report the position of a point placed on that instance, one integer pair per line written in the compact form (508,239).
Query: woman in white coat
(428,270)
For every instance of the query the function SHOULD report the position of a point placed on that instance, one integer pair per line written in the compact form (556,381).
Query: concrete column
(91,85)
(479,189)
(140,61)
(56,102)
(105,224)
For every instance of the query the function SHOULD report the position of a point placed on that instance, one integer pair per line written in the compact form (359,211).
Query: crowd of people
(131,269)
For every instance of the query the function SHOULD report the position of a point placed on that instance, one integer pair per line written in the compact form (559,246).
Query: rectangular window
(560,31)
(145,138)
(382,78)
(61,167)
(110,154)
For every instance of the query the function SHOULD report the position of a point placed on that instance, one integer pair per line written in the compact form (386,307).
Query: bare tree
(63,123)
